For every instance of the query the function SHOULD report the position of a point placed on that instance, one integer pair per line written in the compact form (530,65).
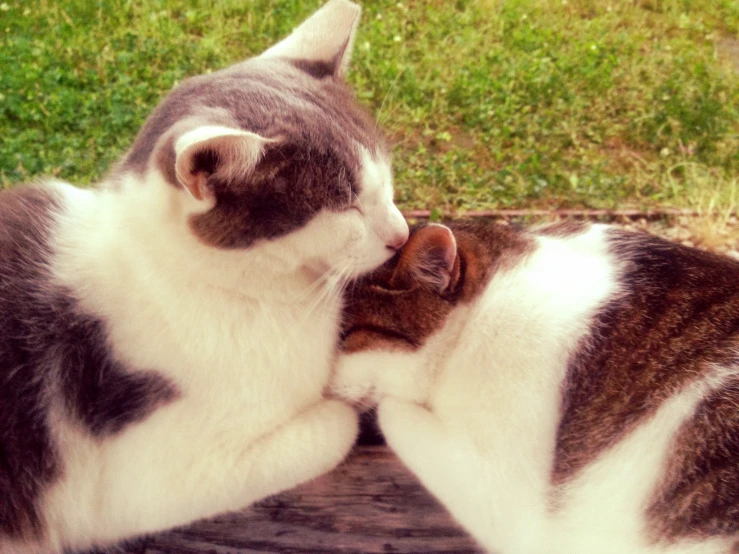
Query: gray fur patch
(52,354)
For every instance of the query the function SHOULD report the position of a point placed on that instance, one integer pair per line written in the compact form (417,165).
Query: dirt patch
(623,155)
(437,143)
(461,139)
(728,49)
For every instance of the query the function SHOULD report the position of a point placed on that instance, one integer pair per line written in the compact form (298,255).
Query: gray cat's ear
(325,38)
(429,259)
(227,154)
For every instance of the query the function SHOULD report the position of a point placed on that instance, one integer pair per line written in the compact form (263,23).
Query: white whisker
(389,91)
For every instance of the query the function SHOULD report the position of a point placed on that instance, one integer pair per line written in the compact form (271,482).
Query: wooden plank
(370,504)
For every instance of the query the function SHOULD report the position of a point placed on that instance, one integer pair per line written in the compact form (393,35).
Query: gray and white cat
(166,337)
(567,390)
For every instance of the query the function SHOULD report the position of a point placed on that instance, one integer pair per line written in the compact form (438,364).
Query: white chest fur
(169,305)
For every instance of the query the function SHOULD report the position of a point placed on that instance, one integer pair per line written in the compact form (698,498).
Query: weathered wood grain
(371,504)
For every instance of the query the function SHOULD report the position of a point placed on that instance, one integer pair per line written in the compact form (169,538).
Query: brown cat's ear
(229,154)
(429,259)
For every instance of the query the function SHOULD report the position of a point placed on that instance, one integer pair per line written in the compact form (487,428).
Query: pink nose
(398,239)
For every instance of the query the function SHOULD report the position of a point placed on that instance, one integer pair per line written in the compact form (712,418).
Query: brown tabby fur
(389,306)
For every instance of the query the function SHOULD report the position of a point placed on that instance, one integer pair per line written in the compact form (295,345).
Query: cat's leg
(309,445)
(166,477)
(448,466)
(419,439)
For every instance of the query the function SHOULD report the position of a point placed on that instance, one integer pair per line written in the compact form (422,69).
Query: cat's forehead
(264,93)
(276,98)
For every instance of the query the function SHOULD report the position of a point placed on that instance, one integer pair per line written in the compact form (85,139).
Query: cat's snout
(398,239)
(396,233)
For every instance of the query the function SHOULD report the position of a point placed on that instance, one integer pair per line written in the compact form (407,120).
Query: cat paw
(312,443)
(335,428)
(354,380)
(367,378)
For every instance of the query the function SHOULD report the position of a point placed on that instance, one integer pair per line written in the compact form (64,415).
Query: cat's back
(589,376)
(673,325)
(28,462)
(632,343)
(27,216)
(654,388)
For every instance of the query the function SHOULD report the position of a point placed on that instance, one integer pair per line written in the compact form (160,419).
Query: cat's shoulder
(25,207)
(639,247)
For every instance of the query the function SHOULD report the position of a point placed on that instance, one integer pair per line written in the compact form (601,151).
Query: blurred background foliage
(490,103)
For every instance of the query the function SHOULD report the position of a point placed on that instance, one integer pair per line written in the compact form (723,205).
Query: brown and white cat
(166,337)
(567,390)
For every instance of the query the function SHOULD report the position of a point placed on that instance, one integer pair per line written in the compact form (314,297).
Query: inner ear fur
(429,259)
(207,151)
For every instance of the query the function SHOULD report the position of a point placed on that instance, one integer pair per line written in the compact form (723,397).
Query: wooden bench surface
(369,504)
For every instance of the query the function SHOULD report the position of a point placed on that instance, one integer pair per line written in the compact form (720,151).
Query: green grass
(491,104)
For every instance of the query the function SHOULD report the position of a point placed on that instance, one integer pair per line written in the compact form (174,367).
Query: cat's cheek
(371,252)
(357,232)
(326,243)
(357,249)
(375,233)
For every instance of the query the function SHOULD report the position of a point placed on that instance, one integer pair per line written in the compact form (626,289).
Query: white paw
(366,378)
(337,426)
(354,379)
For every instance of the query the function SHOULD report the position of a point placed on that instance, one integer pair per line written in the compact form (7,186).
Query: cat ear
(428,259)
(326,37)
(229,154)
